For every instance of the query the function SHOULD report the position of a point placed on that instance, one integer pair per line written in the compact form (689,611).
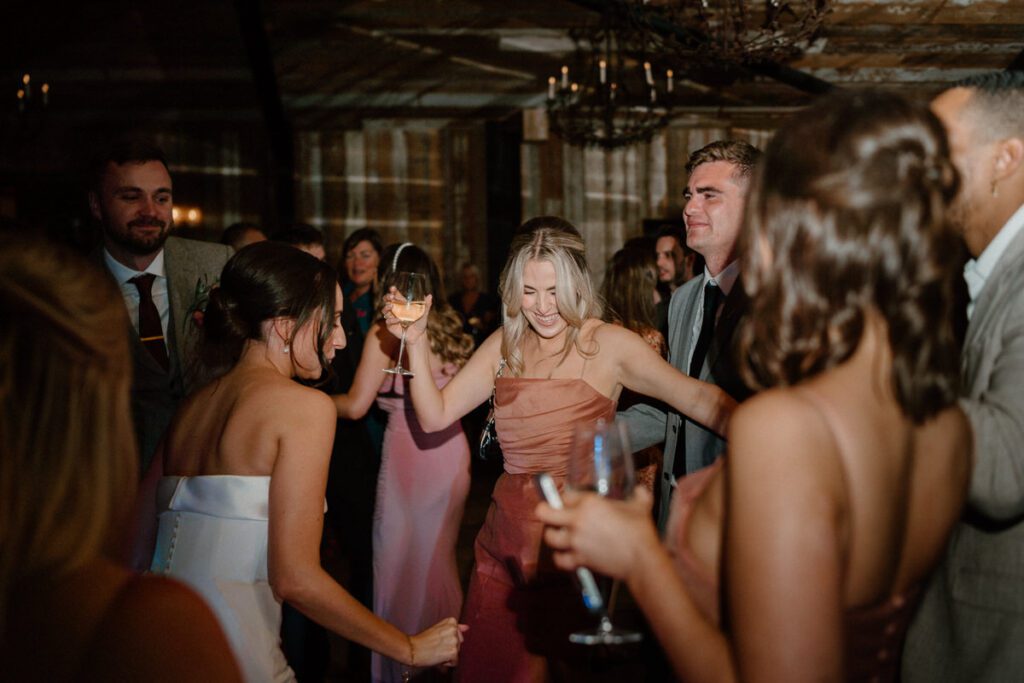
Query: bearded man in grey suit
(161,278)
(703,313)
(970,626)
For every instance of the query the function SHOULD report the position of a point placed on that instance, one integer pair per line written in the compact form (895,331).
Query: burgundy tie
(151,332)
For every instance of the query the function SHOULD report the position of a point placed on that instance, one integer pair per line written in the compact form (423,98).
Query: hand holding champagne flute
(408,304)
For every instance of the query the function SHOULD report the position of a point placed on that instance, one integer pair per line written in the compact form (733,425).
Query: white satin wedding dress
(213,536)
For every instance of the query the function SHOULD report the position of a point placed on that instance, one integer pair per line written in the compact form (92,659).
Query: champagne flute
(412,288)
(602,462)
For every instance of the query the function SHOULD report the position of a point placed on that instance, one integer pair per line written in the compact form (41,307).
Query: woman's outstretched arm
(645,372)
(376,356)
(304,423)
(437,409)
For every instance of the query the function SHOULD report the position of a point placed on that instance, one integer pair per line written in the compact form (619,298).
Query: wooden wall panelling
(419,181)
(465,203)
(212,170)
(309,180)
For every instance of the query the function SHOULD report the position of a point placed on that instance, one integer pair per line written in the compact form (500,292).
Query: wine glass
(412,290)
(601,462)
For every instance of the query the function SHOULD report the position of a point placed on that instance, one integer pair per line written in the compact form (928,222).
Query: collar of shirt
(977,271)
(123,273)
(725,279)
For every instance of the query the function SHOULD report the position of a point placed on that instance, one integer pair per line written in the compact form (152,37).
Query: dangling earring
(287,349)
(995,189)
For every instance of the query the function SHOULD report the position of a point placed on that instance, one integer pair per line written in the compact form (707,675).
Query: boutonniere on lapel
(201,297)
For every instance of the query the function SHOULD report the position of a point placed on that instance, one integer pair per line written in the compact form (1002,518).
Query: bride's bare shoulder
(274,397)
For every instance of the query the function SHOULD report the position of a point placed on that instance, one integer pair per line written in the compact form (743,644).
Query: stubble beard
(137,244)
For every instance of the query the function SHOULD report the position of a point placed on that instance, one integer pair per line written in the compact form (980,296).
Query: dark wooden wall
(420,181)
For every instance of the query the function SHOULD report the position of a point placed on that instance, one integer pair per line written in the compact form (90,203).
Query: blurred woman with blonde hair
(67,474)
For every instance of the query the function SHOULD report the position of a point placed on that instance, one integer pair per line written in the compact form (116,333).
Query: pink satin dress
(421,493)
(520,608)
(874,633)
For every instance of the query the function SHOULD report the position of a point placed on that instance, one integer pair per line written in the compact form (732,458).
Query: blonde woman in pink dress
(424,477)
(560,364)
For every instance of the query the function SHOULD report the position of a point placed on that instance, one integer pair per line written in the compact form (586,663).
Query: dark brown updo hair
(847,213)
(267,280)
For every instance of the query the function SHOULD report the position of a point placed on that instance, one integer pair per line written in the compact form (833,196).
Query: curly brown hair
(846,214)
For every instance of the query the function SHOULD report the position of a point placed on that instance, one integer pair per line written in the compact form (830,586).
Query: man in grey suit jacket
(715,194)
(131,197)
(970,626)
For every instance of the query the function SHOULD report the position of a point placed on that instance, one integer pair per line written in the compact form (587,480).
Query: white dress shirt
(123,274)
(977,271)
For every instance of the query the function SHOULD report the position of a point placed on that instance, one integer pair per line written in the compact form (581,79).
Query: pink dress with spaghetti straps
(519,608)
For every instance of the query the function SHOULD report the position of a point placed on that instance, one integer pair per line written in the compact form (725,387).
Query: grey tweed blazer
(970,626)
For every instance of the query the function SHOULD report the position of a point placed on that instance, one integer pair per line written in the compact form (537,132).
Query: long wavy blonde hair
(555,240)
(68,461)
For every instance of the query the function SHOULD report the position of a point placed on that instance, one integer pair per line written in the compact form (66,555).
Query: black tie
(151,332)
(712,299)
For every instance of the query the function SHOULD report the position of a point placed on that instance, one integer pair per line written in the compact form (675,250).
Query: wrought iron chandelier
(612,95)
(622,88)
(739,32)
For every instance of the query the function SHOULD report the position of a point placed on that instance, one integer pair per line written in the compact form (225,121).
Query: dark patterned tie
(712,300)
(151,332)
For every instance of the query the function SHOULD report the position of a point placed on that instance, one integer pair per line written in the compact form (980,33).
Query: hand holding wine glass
(407,302)
(602,462)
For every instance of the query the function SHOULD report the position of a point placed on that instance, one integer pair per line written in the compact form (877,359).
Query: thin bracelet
(406,673)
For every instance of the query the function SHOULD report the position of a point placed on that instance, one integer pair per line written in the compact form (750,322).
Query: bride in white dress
(241,512)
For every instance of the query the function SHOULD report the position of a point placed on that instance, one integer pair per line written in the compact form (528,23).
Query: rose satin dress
(520,608)
(421,493)
(874,633)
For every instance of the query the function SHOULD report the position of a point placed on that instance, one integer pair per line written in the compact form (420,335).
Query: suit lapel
(181,283)
(684,300)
